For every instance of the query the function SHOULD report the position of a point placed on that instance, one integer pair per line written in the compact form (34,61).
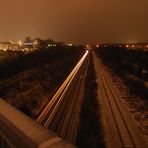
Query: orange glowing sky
(76,21)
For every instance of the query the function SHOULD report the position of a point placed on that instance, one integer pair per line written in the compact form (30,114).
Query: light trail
(60,92)
(49,120)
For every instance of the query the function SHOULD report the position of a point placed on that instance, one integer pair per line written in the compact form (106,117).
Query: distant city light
(52,45)
(19,43)
(11,42)
(35,42)
(70,45)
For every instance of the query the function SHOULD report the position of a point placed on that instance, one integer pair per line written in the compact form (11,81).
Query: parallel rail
(126,137)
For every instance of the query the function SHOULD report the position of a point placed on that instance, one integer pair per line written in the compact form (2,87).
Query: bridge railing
(19,131)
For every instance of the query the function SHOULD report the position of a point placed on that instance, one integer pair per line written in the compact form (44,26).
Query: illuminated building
(9,45)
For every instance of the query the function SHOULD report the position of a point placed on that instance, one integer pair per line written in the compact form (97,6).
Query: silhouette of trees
(28,41)
(40,67)
(36,58)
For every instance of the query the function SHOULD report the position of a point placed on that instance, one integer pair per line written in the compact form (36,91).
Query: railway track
(71,120)
(127,137)
(62,113)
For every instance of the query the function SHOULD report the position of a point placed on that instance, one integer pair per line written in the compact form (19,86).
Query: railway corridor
(120,128)
(62,112)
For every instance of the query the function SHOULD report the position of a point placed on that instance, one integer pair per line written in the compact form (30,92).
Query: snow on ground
(137,106)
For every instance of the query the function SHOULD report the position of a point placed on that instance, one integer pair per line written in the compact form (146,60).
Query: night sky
(76,21)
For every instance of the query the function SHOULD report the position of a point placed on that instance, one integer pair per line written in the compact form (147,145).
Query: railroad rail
(127,136)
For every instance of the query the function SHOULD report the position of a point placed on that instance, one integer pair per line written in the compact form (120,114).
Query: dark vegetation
(40,57)
(29,80)
(90,134)
(130,65)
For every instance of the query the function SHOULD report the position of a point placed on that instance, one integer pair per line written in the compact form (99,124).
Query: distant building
(9,45)
(4,45)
